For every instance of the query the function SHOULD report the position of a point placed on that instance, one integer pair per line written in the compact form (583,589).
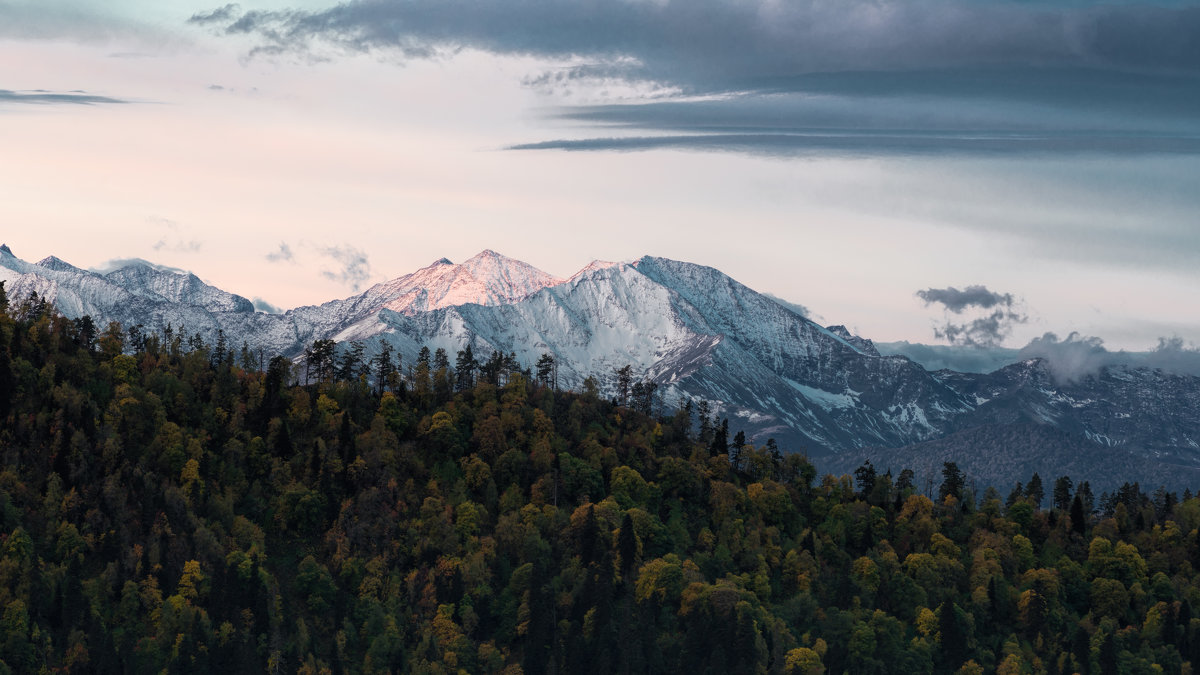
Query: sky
(967,172)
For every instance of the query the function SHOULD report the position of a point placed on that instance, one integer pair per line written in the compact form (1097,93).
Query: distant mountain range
(698,333)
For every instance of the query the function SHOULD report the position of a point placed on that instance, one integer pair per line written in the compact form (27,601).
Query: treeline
(165,507)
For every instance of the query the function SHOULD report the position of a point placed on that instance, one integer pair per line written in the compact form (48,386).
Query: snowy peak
(594,266)
(155,283)
(488,278)
(57,264)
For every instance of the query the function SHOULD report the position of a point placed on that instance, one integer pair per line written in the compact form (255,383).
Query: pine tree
(720,443)
(1062,493)
(953,480)
(1084,492)
(624,384)
(547,371)
(465,366)
(1078,520)
(384,368)
(627,545)
(1034,491)
(864,475)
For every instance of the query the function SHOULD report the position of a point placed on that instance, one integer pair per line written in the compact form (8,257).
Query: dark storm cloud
(979,111)
(851,78)
(956,301)
(725,45)
(51,97)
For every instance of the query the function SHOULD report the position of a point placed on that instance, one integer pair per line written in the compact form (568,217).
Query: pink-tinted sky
(325,162)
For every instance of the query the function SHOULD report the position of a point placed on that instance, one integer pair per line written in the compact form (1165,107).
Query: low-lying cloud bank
(1077,357)
(1070,359)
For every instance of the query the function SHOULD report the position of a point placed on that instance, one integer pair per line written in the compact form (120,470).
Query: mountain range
(698,333)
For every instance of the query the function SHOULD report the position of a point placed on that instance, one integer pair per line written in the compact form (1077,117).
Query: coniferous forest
(168,505)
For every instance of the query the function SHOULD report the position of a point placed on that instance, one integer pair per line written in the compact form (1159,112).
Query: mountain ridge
(690,329)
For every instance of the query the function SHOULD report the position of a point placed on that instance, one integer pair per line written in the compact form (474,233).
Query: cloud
(355,268)
(851,145)
(43,97)
(956,301)
(1078,357)
(220,15)
(1072,359)
(173,242)
(986,330)
(94,23)
(795,307)
(177,245)
(284,254)
(725,44)
(121,263)
(796,79)
(264,306)
(957,358)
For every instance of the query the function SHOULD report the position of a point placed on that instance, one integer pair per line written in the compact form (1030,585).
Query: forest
(168,505)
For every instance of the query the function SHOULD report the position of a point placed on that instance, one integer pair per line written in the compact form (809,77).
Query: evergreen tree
(1084,492)
(627,546)
(1018,493)
(706,423)
(385,368)
(720,443)
(1034,491)
(1078,519)
(735,452)
(465,366)
(952,634)
(953,480)
(547,371)
(1062,493)
(624,384)
(864,475)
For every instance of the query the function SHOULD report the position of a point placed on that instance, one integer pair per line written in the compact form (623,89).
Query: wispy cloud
(175,240)
(178,245)
(354,266)
(284,254)
(43,97)
(264,306)
(121,263)
(794,306)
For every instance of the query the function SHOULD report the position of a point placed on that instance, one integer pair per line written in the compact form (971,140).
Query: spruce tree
(1034,491)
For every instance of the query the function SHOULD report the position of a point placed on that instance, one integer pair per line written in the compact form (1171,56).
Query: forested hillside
(168,505)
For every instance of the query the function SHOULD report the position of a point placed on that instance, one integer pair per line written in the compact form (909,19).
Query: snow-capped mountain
(691,329)
(135,294)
